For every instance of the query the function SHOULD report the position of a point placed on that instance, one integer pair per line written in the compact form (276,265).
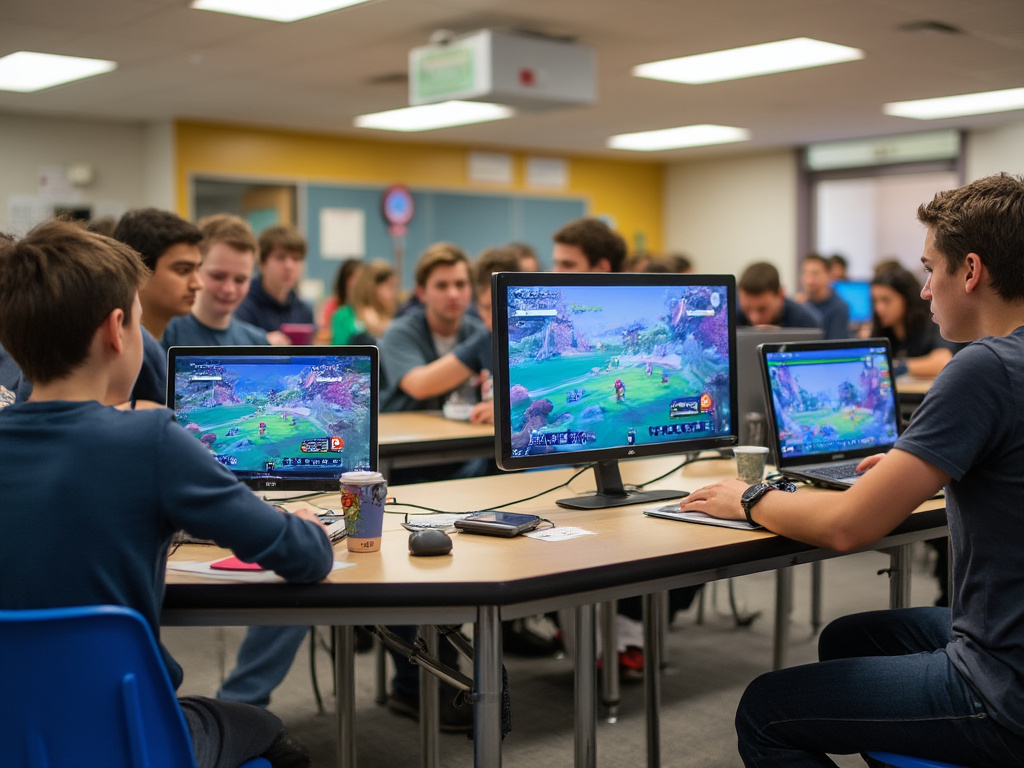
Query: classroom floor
(708,666)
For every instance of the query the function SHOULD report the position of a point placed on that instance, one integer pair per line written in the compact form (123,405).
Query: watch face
(752,493)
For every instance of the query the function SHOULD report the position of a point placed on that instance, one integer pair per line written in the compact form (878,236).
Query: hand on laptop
(869,462)
(307,514)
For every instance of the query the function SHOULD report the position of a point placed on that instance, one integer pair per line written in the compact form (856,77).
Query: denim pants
(884,683)
(264,658)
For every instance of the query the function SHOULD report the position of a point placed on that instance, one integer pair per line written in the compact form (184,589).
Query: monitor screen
(599,367)
(857,295)
(280,418)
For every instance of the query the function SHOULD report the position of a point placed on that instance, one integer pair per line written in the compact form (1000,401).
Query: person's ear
(114,331)
(420,293)
(602,265)
(975,268)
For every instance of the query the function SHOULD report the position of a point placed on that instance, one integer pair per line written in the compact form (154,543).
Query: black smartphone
(492,523)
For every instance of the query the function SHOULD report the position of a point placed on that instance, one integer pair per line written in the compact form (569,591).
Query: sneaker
(286,752)
(453,719)
(533,636)
(631,664)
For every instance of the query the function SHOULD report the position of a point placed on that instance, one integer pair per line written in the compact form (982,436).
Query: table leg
(653,619)
(817,573)
(610,697)
(487,693)
(586,694)
(345,684)
(783,605)
(899,576)
(429,710)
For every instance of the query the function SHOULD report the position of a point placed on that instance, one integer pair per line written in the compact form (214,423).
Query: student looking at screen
(936,683)
(76,334)
(169,247)
(588,245)
(904,318)
(763,302)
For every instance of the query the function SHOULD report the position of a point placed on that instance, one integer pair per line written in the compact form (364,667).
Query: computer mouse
(429,541)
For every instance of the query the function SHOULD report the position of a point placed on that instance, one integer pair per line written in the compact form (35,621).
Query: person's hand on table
(307,514)
(482,413)
(720,500)
(279,339)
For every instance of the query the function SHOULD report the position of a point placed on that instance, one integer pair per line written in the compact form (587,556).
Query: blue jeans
(264,658)
(884,683)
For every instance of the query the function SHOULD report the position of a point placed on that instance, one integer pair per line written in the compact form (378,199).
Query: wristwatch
(754,493)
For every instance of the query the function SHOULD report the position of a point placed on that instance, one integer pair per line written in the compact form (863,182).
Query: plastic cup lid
(362,477)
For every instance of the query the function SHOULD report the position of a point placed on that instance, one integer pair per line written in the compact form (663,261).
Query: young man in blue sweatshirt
(125,480)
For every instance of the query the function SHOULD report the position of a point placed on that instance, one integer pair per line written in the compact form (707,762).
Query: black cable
(715,457)
(432,510)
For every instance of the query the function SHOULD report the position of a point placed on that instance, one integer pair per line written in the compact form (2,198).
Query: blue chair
(86,687)
(902,761)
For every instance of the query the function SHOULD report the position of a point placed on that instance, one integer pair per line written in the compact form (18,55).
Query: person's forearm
(436,378)
(930,364)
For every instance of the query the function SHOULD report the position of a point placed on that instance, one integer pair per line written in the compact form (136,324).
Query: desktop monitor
(598,367)
(280,418)
(857,295)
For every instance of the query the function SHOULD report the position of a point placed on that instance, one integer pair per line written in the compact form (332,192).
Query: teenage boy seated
(70,318)
(272,299)
(835,314)
(228,254)
(588,245)
(942,684)
(436,349)
(169,247)
(763,301)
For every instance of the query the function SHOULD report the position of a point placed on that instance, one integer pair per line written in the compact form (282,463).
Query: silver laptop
(832,403)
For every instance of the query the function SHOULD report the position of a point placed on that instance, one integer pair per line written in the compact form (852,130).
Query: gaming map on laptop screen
(296,417)
(832,400)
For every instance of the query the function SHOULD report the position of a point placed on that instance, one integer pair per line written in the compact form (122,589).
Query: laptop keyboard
(835,472)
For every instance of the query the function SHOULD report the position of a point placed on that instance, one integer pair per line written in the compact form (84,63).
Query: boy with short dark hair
(124,480)
(272,299)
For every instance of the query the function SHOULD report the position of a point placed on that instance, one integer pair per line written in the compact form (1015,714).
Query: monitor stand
(610,492)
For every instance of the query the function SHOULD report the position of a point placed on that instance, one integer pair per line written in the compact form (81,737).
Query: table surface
(628,550)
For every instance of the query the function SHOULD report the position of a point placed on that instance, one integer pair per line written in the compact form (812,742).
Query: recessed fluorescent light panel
(749,61)
(430,117)
(958,106)
(25,71)
(274,10)
(678,138)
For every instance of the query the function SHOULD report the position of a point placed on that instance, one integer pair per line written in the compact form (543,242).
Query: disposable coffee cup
(362,503)
(750,461)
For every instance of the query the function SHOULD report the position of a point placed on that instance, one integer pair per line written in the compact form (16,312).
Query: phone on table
(494,523)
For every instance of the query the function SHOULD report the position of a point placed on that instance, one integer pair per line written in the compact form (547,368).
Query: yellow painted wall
(628,192)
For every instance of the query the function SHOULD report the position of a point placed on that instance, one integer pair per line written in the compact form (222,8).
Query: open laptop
(286,420)
(749,389)
(831,404)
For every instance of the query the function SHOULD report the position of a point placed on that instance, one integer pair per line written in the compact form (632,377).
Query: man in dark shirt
(272,300)
(835,314)
(935,683)
(763,301)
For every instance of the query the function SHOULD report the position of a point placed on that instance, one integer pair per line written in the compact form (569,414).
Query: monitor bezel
(270,482)
(501,281)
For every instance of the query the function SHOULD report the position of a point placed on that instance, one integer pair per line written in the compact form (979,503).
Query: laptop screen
(831,399)
(280,418)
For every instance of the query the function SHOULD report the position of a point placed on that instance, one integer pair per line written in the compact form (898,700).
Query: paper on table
(673,512)
(561,533)
(204,569)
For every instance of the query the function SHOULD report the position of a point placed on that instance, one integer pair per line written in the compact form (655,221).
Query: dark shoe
(364,639)
(533,636)
(286,752)
(454,719)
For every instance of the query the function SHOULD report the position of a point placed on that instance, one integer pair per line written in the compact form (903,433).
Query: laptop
(284,420)
(832,403)
(749,389)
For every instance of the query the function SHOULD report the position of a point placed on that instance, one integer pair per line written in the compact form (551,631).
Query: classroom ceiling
(319,73)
